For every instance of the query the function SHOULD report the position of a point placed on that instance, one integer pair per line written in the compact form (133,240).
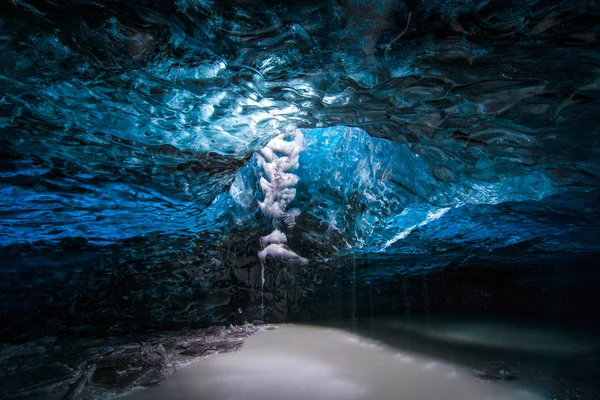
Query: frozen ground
(298,362)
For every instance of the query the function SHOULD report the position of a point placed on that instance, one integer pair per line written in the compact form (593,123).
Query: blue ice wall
(439,136)
(376,194)
(142,119)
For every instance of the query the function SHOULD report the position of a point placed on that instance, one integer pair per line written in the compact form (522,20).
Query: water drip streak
(353,292)
(262,290)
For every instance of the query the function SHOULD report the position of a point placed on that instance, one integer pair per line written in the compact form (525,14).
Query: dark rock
(494,371)
(101,369)
(84,378)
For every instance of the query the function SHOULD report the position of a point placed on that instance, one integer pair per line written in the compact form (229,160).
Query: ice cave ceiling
(436,132)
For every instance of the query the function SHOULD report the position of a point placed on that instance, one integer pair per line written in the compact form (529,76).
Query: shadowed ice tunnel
(171,167)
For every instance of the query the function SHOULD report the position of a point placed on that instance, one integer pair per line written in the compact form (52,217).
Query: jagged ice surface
(435,133)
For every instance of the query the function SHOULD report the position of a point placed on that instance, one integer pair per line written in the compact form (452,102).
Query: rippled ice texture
(437,133)
(122,119)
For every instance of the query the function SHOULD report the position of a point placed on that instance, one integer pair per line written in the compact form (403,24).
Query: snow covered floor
(298,362)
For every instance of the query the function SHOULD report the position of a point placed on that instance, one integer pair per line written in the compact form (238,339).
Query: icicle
(280,252)
(274,237)
(276,159)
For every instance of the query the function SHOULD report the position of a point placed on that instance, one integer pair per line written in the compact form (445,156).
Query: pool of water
(384,358)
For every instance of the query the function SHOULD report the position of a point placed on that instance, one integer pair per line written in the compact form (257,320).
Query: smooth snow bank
(299,363)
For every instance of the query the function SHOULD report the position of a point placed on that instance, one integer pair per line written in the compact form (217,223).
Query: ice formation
(128,136)
(276,159)
(276,236)
(142,130)
(280,251)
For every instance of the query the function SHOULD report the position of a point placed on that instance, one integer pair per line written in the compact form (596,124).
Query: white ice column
(279,157)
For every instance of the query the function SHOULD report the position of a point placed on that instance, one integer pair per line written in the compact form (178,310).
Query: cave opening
(329,199)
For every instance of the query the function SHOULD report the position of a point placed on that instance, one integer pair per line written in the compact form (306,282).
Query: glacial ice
(153,153)
(118,125)
(280,252)
(276,237)
(281,156)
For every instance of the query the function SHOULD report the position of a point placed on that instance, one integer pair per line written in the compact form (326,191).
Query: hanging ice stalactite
(277,159)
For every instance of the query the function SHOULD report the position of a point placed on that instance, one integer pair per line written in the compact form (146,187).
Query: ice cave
(300,199)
